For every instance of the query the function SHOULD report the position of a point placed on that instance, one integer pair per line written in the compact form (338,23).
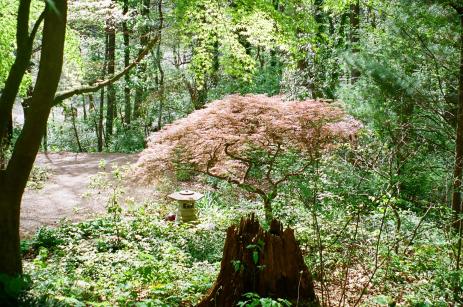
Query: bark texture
(267,263)
(24,42)
(140,92)
(159,66)
(125,30)
(354,35)
(458,168)
(13,180)
(111,100)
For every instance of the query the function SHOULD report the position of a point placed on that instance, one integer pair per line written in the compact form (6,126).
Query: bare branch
(271,165)
(95,87)
(296,173)
(36,27)
(242,185)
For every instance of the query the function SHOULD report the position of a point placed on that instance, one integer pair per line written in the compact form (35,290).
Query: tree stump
(267,263)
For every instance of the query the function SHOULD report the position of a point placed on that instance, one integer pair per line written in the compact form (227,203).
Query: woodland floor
(66,193)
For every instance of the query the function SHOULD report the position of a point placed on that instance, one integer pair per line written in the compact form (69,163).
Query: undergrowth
(38,177)
(146,261)
(363,249)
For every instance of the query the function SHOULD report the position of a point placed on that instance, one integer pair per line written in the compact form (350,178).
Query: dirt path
(66,193)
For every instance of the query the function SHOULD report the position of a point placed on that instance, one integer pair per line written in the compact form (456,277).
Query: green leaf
(255,257)
(382,300)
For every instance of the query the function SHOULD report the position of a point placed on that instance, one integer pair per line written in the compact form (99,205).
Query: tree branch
(36,27)
(22,26)
(95,87)
(296,173)
(247,162)
(242,185)
(271,164)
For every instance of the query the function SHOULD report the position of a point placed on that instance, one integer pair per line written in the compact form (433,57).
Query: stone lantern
(186,204)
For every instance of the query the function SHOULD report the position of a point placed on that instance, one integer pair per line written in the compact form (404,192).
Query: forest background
(132,67)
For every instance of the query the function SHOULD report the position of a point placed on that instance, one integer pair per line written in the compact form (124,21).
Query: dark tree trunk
(74,127)
(100,132)
(94,114)
(139,92)
(126,34)
(13,180)
(45,139)
(216,62)
(24,43)
(100,121)
(111,100)
(458,168)
(10,201)
(267,263)
(84,107)
(273,51)
(320,20)
(159,65)
(354,35)
(198,96)
(268,210)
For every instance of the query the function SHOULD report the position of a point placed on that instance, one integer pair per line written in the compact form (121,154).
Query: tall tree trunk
(100,121)
(24,43)
(198,96)
(125,30)
(94,114)
(139,92)
(159,64)
(84,107)
(13,180)
(354,34)
(273,51)
(45,139)
(458,169)
(102,95)
(74,127)
(111,100)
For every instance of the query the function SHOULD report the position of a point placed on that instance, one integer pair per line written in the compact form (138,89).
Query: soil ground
(66,194)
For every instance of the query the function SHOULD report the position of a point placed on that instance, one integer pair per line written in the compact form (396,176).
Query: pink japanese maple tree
(255,142)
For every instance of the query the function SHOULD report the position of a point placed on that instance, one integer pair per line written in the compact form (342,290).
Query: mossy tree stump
(267,263)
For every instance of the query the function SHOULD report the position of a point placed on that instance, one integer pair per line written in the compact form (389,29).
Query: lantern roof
(186,195)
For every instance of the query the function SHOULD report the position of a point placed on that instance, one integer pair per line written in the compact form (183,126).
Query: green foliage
(8,40)
(265,80)
(156,262)
(7,37)
(139,257)
(401,94)
(223,36)
(254,300)
(37,178)
(73,61)
(13,289)
(256,250)
(184,171)
(61,136)
(128,139)
(46,237)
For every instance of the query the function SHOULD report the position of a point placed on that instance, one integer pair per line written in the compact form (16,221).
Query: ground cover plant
(143,260)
